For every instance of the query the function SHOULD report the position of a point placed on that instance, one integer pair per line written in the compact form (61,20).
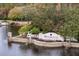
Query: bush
(35,30)
(16,13)
(24,29)
(21,13)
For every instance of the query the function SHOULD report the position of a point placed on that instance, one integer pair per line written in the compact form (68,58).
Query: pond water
(22,50)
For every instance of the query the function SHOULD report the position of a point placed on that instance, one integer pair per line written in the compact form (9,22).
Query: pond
(22,50)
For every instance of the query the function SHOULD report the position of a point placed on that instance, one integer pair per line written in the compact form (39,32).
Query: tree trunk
(58,8)
(70,6)
(65,5)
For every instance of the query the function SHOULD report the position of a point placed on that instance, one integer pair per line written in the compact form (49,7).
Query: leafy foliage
(35,30)
(71,25)
(25,29)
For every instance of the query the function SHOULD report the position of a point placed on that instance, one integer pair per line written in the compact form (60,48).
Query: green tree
(70,27)
(48,26)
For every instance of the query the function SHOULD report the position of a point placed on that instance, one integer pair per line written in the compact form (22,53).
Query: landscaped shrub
(35,30)
(25,29)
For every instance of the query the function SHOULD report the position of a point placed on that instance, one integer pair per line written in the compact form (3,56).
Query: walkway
(44,43)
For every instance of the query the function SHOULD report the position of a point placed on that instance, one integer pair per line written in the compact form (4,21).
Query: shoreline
(40,43)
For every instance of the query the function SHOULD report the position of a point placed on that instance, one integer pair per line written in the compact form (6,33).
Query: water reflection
(71,52)
(37,51)
(30,50)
